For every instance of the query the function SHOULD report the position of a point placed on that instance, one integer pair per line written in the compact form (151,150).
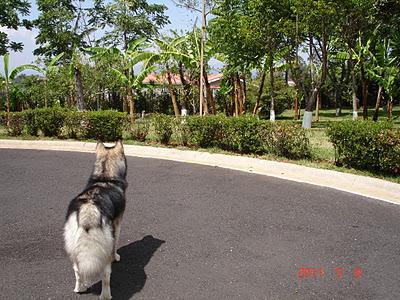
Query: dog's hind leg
(105,284)
(117,233)
(79,286)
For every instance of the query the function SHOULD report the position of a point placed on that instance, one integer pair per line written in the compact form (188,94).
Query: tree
(205,8)
(9,77)
(62,29)
(127,20)
(134,55)
(10,17)
(385,72)
(51,67)
(250,34)
(319,25)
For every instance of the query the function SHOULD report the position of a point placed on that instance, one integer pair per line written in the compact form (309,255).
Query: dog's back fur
(94,216)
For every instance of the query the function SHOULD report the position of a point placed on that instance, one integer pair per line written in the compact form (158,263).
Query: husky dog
(93,220)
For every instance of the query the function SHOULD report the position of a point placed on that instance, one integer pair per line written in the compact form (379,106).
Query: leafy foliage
(10,17)
(139,130)
(105,125)
(366,145)
(163,127)
(15,124)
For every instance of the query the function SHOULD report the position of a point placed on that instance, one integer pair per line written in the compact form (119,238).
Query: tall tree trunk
(307,117)
(125,100)
(271,86)
(210,96)
(173,95)
(8,103)
(131,102)
(79,90)
(378,103)
(186,86)
(364,91)
(353,89)
(390,108)
(296,105)
(317,106)
(259,94)
(244,93)
(232,97)
(237,94)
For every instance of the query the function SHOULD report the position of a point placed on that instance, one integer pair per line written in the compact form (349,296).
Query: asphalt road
(198,232)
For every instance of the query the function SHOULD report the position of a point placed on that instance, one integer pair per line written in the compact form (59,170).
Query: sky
(180,19)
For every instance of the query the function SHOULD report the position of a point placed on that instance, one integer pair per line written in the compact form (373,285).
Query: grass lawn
(329,115)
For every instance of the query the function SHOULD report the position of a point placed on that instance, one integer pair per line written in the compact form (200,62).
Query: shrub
(163,127)
(241,134)
(75,125)
(104,125)
(49,120)
(15,124)
(30,122)
(366,145)
(205,131)
(286,139)
(139,130)
(182,132)
(3,118)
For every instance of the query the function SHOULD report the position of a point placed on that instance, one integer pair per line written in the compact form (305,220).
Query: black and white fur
(93,221)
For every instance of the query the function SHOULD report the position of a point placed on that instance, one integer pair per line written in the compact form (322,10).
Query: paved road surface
(198,232)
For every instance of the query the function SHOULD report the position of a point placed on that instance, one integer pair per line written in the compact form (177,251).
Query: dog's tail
(89,241)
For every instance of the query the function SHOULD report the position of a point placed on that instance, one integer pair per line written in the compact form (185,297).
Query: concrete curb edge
(361,185)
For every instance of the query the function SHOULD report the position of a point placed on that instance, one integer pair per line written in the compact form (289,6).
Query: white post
(307,119)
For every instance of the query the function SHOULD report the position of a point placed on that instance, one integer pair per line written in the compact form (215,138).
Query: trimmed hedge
(50,120)
(243,135)
(247,135)
(163,127)
(366,145)
(105,125)
(139,130)
(16,125)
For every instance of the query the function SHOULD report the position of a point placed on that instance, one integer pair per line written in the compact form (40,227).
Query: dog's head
(110,161)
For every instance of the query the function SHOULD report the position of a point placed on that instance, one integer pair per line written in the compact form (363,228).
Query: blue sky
(180,18)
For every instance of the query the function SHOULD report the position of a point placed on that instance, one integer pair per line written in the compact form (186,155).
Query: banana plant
(49,69)
(385,72)
(10,76)
(134,55)
(360,54)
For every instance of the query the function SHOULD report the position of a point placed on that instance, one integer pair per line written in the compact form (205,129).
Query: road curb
(360,185)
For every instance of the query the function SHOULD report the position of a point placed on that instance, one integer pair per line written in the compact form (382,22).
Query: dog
(93,221)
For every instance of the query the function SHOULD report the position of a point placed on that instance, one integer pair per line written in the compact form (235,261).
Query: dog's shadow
(128,276)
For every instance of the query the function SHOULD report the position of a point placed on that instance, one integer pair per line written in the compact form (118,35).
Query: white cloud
(27,37)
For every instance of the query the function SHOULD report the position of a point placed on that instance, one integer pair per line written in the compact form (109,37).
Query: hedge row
(244,135)
(104,125)
(366,145)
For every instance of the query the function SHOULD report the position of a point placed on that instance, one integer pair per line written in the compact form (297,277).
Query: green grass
(329,115)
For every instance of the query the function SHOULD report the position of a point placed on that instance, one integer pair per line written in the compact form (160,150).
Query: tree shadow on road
(128,276)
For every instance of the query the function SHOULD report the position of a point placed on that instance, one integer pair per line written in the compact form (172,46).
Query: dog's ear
(100,148)
(118,146)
